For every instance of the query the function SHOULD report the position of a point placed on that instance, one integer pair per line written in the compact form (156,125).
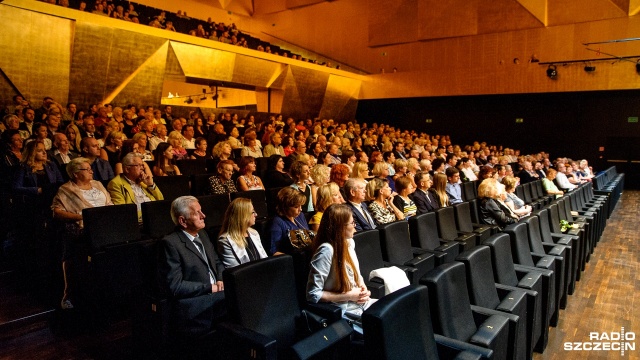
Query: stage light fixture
(589,68)
(215,97)
(552,72)
(189,101)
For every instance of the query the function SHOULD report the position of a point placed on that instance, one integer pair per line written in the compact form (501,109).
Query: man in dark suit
(354,188)
(61,154)
(424,199)
(102,170)
(398,150)
(190,272)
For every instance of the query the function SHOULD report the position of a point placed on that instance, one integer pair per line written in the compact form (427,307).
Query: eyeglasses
(135,165)
(87,169)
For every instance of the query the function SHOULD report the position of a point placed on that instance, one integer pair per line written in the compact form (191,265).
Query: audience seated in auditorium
(222,183)
(238,242)
(164,164)
(355,189)
(61,153)
(301,175)
(382,207)
(404,187)
(81,192)
(190,272)
(492,209)
(453,187)
(439,189)
(247,180)
(102,170)
(339,174)
(516,204)
(276,176)
(561,178)
(549,185)
(424,196)
(328,194)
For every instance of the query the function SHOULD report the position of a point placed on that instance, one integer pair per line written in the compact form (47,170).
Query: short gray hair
(351,184)
(74,164)
(180,207)
(128,159)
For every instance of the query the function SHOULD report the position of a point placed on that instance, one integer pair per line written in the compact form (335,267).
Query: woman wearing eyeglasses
(335,274)
(79,193)
(238,242)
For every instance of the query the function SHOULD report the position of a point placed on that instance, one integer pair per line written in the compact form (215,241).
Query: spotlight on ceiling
(189,101)
(589,68)
(215,97)
(552,73)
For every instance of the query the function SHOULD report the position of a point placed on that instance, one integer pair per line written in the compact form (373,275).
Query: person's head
(438,165)
(90,148)
(29,115)
(336,227)
(389,157)
(299,171)
(222,150)
(400,165)
(238,218)
(141,139)
(413,165)
(355,190)
(12,122)
(423,180)
(129,146)
(328,195)
(40,130)
(164,154)
(360,170)
(485,172)
(453,175)
(132,166)
(551,174)
(79,170)
(115,138)
(34,153)
(339,174)
(300,147)
(509,183)
(13,139)
(380,170)
(275,162)
(161,130)
(488,189)
(187,214)
(439,182)
(225,169)
(276,139)
(378,189)
(61,142)
(320,174)
(201,144)
(348,156)
(247,164)
(188,132)
(290,202)
(404,186)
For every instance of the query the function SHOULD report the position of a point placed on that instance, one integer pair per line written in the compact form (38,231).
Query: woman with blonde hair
(439,188)
(492,212)
(238,242)
(320,175)
(74,137)
(360,171)
(328,195)
(141,139)
(111,149)
(176,140)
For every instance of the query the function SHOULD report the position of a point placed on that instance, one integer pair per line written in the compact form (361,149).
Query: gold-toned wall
(91,59)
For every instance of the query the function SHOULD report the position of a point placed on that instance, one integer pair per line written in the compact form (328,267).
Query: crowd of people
(332,178)
(180,22)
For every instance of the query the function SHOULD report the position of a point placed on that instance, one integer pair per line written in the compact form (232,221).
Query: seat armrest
(568,235)
(446,345)
(562,240)
(424,262)
(555,249)
(376,286)
(507,288)
(481,314)
(544,272)
(543,261)
(527,279)
(401,267)
(323,339)
(510,299)
(327,311)
(491,329)
(249,341)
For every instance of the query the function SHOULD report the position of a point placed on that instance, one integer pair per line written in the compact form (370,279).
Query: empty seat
(172,187)
(156,219)
(423,231)
(396,249)
(448,231)
(369,253)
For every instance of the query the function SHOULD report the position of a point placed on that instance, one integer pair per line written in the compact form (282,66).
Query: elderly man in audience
(528,174)
(274,147)
(190,272)
(355,189)
(102,170)
(423,198)
(561,178)
(61,153)
(134,185)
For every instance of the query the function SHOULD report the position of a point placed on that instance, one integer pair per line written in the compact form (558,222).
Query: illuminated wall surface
(87,59)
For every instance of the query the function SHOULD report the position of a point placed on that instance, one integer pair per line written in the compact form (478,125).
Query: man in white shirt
(561,178)
(161,137)
(189,141)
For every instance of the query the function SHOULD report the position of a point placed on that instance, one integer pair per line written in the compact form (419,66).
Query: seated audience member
(328,194)
(74,138)
(200,153)
(335,273)
(133,186)
(276,176)
(356,194)
(324,158)
(176,140)
(234,134)
(501,172)
(549,186)
(402,201)
(561,178)
(238,242)
(164,165)
(389,158)
(246,180)
(453,188)
(320,174)
(438,165)
(486,172)
(516,204)
(274,147)
(188,139)
(439,189)
(339,174)
(424,199)
(62,154)
(81,192)
(300,174)
(288,145)
(382,207)
(222,151)
(400,167)
(111,149)
(492,210)
(348,157)
(161,137)
(41,133)
(102,170)
(290,217)
(538,167)
(190,272)
(585,168)
(129,146)
(361,171)
(222,183)
(467,169)
(251,147)
(528,174)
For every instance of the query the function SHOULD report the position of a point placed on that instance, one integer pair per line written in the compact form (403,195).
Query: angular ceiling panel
(634,7)
(204,63)
(393,23)
(575,11)
(291,101)
(173,64)
(311,85)
(504,15)
(337,103)
(537,8)
(257,72)
(444,19)
(144,85)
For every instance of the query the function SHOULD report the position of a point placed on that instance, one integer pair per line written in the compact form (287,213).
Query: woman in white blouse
(238,242)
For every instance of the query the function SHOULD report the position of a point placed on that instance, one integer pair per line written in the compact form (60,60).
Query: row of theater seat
(124,262)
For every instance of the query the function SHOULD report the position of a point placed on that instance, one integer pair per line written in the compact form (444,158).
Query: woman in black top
(276,176)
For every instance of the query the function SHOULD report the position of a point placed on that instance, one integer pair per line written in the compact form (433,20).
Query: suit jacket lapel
(191,246)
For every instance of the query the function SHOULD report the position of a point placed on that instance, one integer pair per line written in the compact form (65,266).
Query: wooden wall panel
(537,8)
(393,22)
(575,11)
(443,19)
(340,99)
(504,15)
